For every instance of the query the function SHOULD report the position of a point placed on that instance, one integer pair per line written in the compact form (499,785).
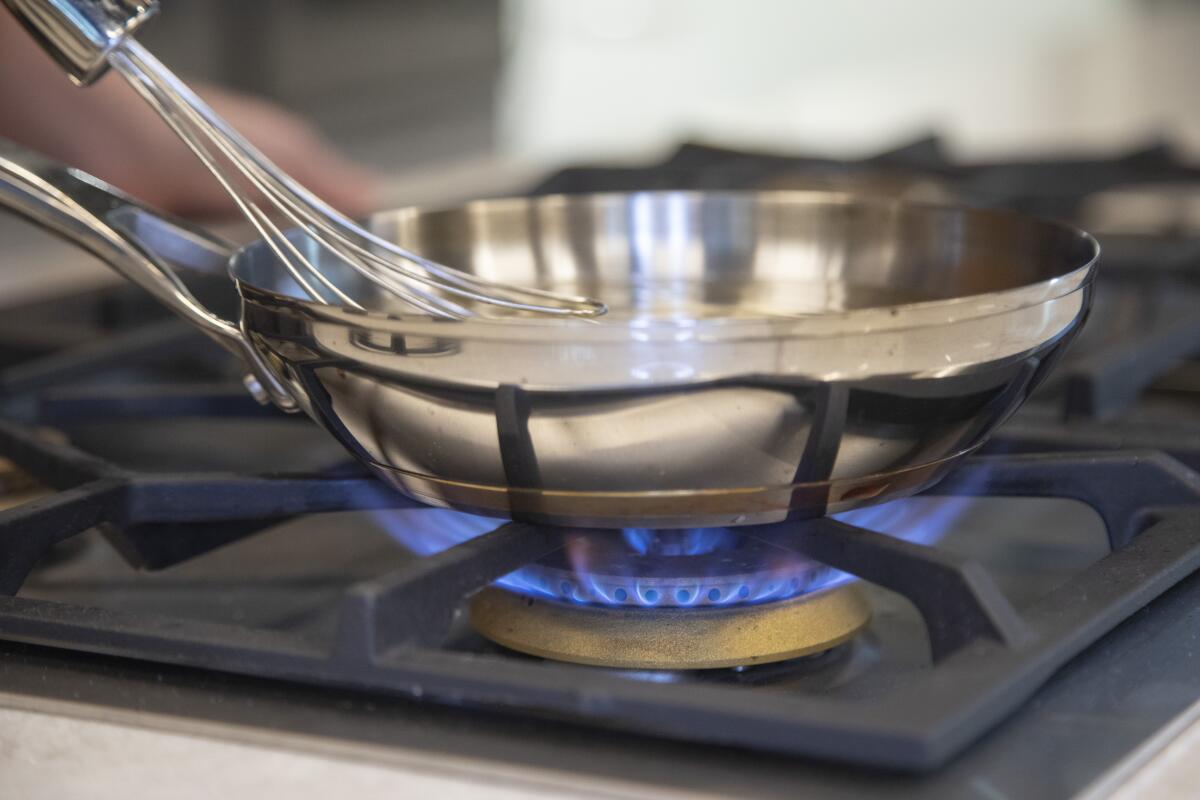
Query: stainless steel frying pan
(767,354)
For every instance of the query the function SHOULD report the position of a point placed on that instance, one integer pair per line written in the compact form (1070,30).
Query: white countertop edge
(1164,767)
(255,751)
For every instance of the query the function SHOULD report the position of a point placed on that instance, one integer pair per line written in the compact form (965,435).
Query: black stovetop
(1049,631)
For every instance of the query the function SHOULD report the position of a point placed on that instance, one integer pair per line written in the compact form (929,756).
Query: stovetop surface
(1091,714)
(127,386)
(288,578)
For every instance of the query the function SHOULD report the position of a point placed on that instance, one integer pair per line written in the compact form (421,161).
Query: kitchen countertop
(1164,768)
(55,749)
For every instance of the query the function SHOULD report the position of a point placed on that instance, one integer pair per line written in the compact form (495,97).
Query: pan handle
(114,227)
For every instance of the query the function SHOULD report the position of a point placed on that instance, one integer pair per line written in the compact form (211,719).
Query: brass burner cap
(707,637)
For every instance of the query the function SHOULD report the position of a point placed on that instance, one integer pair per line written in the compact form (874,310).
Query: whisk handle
(140,244)
(79,34)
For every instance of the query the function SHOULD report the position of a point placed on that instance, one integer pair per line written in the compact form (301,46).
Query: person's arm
(107,130)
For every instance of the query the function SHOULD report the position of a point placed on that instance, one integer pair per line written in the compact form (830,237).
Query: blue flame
(920,520)
(654,568)
(678,542)
(680,568)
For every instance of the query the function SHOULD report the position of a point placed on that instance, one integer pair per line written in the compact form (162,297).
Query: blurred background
(411,83)
(451,99)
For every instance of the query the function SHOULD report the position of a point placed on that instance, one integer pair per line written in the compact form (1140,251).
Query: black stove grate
(988,658)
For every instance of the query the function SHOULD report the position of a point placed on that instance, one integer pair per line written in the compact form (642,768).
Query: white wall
(624,78)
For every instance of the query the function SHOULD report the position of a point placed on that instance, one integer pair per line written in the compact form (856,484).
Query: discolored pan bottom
(674,509)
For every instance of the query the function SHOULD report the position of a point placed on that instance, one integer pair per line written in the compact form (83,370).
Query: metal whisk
(88,36)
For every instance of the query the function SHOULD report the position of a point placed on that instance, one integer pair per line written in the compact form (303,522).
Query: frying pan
(768,355)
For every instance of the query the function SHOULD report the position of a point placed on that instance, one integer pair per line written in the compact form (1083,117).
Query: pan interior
(718,255)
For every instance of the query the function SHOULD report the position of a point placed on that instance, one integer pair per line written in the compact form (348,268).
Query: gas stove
(1018,629)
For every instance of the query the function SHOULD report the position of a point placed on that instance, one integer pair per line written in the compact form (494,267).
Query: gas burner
(670,599)
(672,637)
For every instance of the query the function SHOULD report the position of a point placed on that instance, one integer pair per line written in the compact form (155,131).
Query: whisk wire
(304,219)
(256,216)
(302,196)
(283,248)
(406,274)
